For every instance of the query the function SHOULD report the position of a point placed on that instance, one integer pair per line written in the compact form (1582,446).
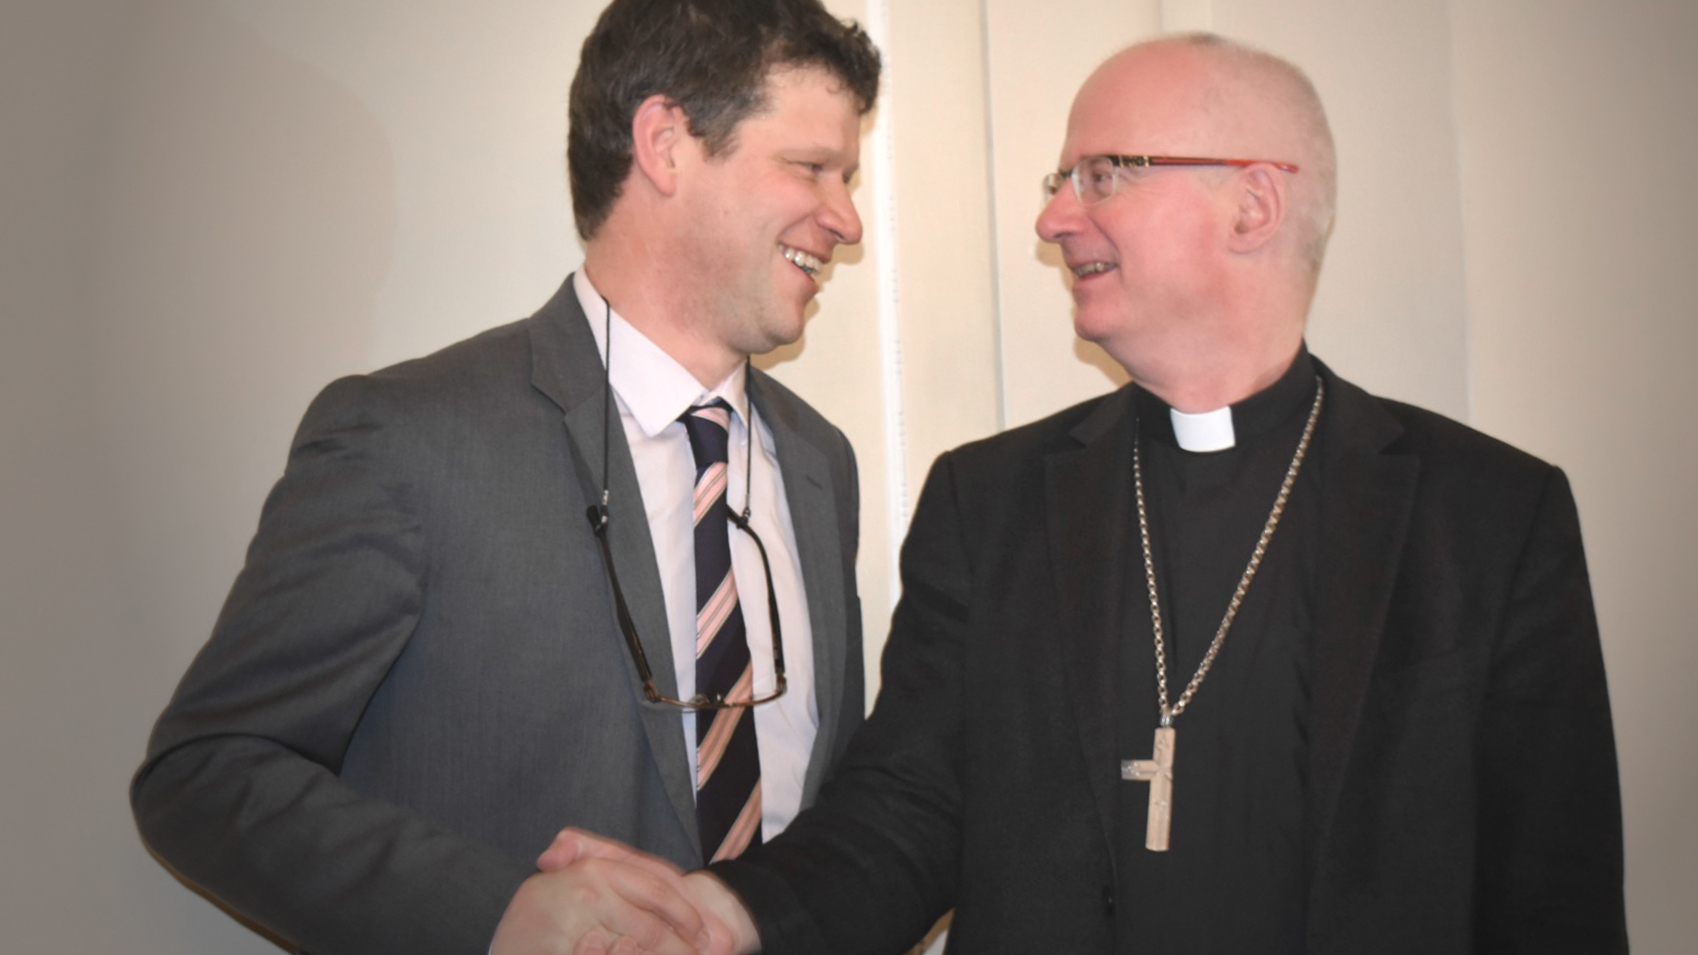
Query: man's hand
(597,896)
(735,932)
(730,929)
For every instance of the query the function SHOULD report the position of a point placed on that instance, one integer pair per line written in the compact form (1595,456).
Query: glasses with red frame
(1096,178)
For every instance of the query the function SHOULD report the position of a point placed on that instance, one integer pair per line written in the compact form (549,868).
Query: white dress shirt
(652,390)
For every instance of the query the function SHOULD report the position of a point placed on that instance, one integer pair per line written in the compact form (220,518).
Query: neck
(1231,346)
(623,269)
(1220,352)
(1211,381)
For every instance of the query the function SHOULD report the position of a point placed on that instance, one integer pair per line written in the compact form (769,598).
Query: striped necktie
(728,773)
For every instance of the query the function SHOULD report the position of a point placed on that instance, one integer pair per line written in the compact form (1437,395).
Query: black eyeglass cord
(600,518)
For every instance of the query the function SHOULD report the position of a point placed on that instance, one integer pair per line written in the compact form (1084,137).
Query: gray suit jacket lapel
(564,367)
(813,516)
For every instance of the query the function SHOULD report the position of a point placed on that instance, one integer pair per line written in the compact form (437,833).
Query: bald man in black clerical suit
(1236,659)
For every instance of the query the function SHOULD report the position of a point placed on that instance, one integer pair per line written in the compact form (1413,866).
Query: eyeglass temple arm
(598,515)
(780,683)
(1199,161)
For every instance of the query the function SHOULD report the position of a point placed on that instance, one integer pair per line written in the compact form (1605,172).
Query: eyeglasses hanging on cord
(601,518)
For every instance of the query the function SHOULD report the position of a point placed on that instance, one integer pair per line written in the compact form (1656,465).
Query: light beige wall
(1577,122)
(1037,60)
(212,207)
(938,219)
(1390,312)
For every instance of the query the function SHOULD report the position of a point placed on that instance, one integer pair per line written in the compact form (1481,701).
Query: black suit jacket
(1462,782)
(417,680)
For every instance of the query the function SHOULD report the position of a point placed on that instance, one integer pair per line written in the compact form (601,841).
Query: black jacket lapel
(1369,493)
(1088,490)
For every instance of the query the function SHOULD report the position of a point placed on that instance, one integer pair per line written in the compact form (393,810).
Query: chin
(1093,325)
(778,333)
(789,336)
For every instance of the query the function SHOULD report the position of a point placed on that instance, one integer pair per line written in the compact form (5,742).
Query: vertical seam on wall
(889,301)
(1460,160)
(997,344)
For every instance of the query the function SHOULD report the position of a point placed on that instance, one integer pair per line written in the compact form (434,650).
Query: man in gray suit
(459,624)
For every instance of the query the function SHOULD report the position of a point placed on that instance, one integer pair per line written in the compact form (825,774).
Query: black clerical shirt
(1233,881)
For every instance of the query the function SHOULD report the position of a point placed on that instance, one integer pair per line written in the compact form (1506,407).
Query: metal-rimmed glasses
(1096,178)
(601,518)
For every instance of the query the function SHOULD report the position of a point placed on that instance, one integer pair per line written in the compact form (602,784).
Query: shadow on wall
(248,217)
(246,214)
(240,213)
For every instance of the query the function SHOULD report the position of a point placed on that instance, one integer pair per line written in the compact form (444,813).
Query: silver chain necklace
(1158,770)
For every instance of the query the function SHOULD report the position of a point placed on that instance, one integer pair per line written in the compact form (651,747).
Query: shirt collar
(1208,431)
(1235,424)
(651,385)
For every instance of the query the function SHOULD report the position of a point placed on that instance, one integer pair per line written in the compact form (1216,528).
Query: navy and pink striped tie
(728,774)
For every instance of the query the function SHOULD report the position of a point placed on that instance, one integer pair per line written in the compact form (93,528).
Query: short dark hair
(712,58)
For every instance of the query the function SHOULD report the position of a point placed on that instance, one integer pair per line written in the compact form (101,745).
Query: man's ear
(657,130)
(1261,207)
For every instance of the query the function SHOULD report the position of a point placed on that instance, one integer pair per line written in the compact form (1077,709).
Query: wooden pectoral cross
(1158,772)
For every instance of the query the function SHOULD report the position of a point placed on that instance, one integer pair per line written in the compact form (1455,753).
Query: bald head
(1202,91)
(1196,277)
(1285,109)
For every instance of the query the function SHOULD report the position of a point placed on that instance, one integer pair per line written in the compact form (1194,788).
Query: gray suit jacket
(417,678)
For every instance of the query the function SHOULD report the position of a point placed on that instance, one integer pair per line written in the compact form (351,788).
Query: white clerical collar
(1201,433)
(650,384)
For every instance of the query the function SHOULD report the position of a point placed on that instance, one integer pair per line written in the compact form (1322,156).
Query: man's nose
(839,217)
(1060,216)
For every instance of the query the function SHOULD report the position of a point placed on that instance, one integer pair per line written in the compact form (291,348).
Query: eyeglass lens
(1095,178)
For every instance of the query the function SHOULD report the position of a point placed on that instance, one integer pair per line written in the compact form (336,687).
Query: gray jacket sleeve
(240,793)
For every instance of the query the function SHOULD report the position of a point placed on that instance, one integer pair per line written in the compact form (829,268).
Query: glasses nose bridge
(1076,177)
(1055,183)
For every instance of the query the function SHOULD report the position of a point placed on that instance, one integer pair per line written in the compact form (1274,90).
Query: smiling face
(1146,264)
(760,220)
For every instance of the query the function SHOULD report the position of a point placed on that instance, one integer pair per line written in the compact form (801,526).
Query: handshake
(595,896)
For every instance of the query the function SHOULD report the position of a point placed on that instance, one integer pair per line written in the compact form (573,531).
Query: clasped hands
(595,896)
